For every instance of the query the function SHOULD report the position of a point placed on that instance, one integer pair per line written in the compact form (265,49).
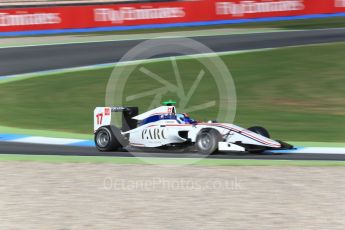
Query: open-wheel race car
(163,127)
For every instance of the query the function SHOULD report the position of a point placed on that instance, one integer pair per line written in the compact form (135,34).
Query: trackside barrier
(158,13)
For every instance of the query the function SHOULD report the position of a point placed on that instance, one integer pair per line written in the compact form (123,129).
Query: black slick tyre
(105,140)
(207,141)
(260,130)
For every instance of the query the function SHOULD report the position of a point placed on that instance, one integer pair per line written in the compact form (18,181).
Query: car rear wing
(102,117)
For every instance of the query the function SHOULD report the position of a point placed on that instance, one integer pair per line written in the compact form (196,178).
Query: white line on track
(315,150)
(46,140)
(18,42)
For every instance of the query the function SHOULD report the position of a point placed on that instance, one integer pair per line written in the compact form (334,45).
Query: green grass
(297,93)
(163,161)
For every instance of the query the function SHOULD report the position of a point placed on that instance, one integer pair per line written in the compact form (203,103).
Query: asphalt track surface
(39,58)
(37,149)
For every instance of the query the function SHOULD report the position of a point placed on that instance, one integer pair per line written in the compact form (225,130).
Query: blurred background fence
(21,3)
(124,14)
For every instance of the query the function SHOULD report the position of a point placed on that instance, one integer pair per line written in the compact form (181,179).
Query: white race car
(163,127)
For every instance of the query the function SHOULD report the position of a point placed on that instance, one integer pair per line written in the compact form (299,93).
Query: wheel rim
(103,139)
(204,141)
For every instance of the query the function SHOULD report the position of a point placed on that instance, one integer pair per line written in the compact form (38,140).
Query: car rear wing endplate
(103,115)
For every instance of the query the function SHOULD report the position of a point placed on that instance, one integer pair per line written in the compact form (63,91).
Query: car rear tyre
(207,141)
(105,139)
(260,130)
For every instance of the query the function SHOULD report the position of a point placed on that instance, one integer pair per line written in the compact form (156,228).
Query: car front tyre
(260,130)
